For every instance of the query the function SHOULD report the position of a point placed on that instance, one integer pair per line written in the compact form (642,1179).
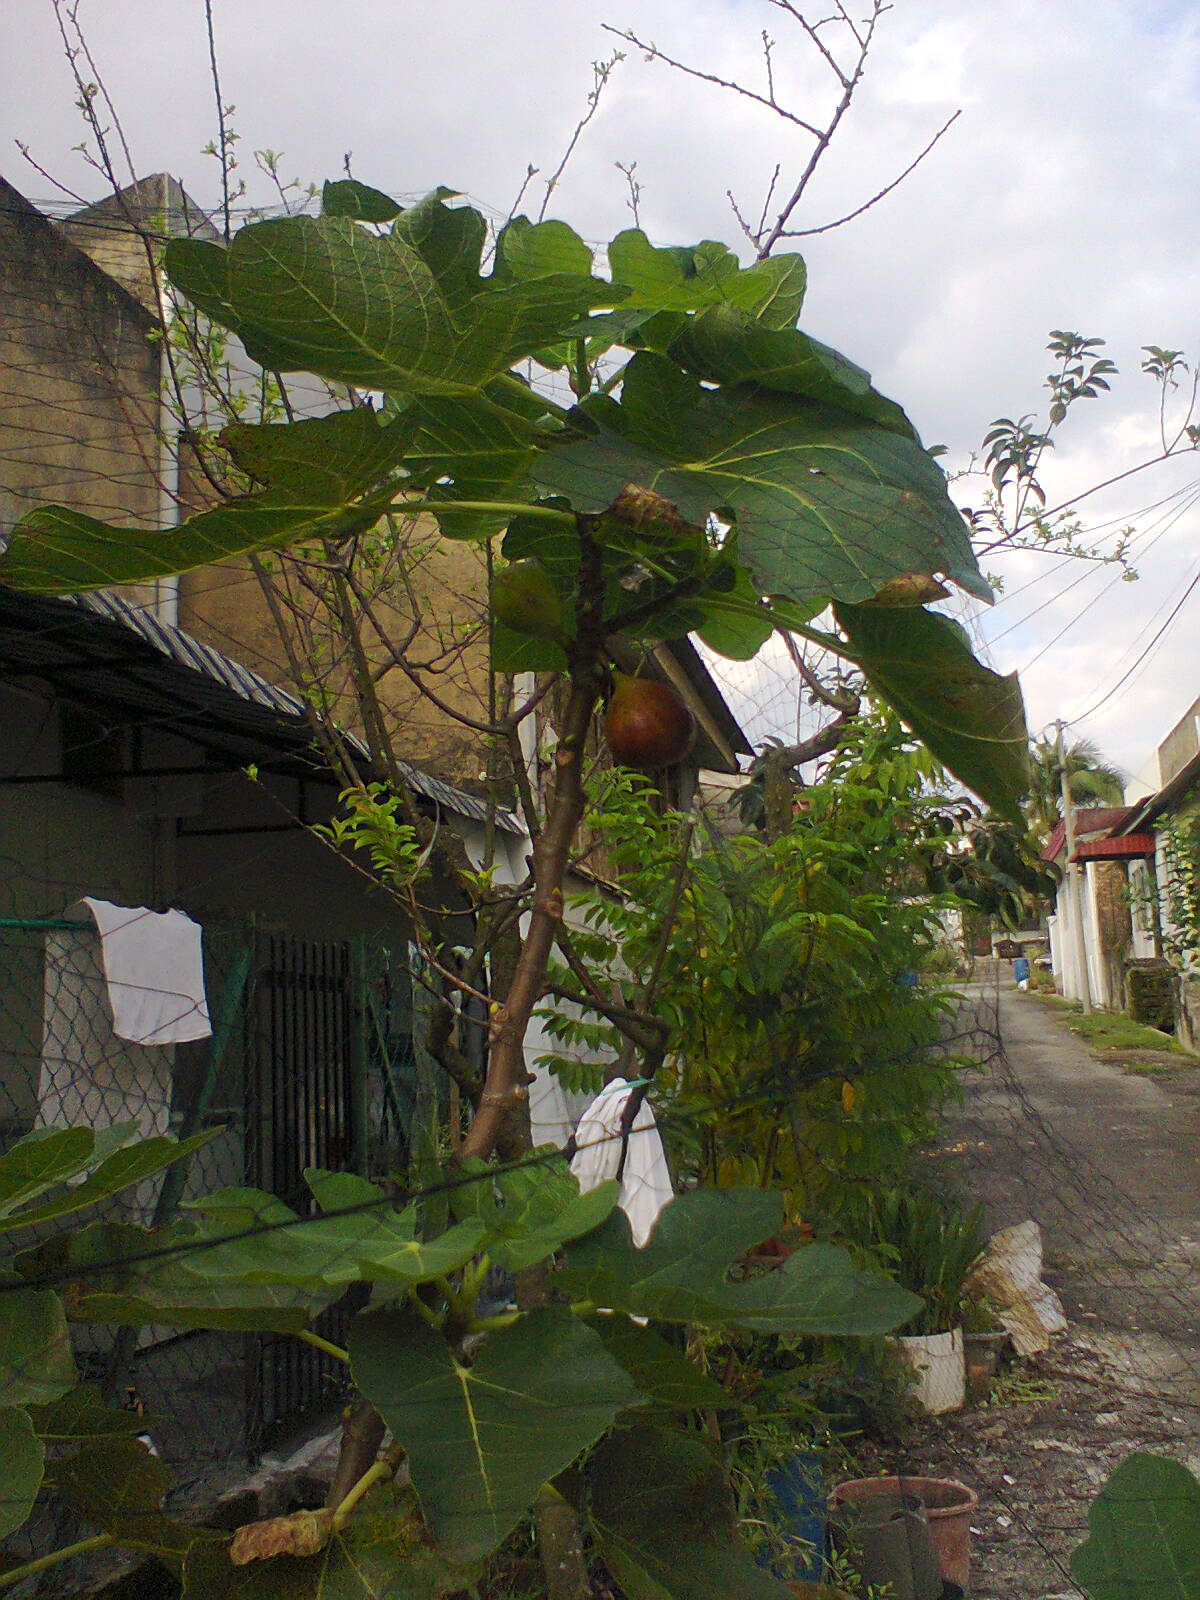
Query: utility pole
(1076,881)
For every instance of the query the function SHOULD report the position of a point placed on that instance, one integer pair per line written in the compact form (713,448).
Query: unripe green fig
(525,600)
(647,724)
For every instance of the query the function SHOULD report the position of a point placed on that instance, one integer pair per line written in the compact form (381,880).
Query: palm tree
(1091,780)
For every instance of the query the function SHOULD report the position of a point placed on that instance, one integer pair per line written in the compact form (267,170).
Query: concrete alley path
(1108,1163)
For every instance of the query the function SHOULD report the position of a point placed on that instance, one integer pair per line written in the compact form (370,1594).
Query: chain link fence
(311,1062)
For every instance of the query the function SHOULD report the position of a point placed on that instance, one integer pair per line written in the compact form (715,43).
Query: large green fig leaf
(22,1455)
(683,1272)
(117,1273)
(664,1520)
(81,1417)
(827,503)
(362,1240)
(482,1439)
(346,197)
(527,249)
(116,1172)
(1145,1534)
(406,312)
(36,1364)
(691,277)
(475,449)
(529,1214)
(48,1157)
(728,346)
(117,1485)
(972,719)
(380,1554)
(327,477)
(663,1375)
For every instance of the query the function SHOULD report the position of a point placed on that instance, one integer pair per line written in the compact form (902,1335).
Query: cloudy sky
(1064,196)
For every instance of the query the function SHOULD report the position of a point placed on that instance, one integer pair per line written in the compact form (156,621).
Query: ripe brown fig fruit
(524,599)
(647,724)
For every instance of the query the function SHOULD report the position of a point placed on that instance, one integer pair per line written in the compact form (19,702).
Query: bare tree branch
(601,72)
(653,53)
(828,227)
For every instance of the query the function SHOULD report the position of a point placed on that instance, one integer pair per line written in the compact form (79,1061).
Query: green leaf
(530,1214)
(36,1364)
(199,269)
(118,1486)
(50,1156)
(329,460)
(971,718)
(328,478)
(482,1439)
(826,502)
(689,278)
(471,448)
(380,1554)
(333,1251)
(682,1273)
(120,1170)
(406,312)
(527,249)
(1145,1534)
(22,1455)
(346,197)
(664,1519)
(730,347)
(141,1276)
(81,1416)
(524,652)
(735,624)
(662,1374)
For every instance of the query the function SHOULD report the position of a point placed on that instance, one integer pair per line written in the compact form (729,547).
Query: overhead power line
(1125,676)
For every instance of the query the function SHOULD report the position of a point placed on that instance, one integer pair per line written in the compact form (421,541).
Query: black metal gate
(303,1088)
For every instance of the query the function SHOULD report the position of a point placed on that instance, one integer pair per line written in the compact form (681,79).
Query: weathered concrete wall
(79,378)
(224,606)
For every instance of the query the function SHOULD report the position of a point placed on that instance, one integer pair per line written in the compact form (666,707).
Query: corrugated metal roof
(104,650)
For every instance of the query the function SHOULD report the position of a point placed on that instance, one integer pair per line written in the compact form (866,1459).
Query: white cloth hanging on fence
(646,1180)
(154,969)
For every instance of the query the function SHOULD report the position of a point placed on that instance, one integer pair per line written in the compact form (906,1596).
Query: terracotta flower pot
(949,1507)
(886,1540)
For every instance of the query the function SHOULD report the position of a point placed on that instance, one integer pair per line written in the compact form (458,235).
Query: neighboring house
(1094,895)
(1122,859)
(123,749)
(1175,770)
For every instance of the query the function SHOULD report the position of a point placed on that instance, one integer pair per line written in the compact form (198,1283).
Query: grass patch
(1112,1030)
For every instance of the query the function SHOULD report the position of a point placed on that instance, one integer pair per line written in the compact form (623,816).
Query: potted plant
(929,1243)
(984,1342)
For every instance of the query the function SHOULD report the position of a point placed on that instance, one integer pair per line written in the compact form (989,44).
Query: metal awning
(1117,849)
(111,657)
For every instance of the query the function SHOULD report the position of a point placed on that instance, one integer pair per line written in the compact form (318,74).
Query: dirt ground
(1108,1163)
